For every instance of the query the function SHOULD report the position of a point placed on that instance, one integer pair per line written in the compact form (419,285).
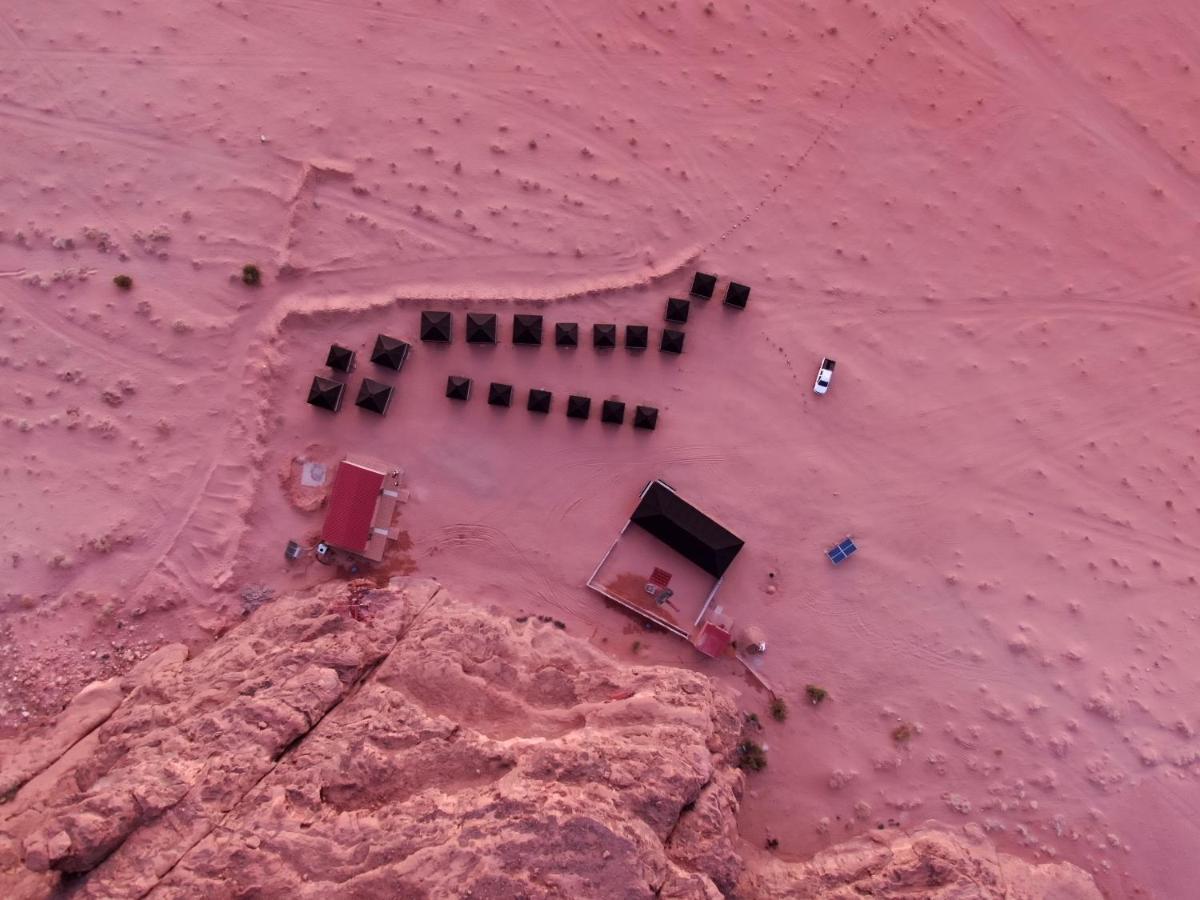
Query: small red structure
(713,639)
(360,509)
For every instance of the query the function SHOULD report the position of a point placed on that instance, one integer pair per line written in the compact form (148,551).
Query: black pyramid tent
(579,407)
(326,394)
(677,310)
(527,329)
(604,337)
(481,328)
(340,359)
(737,295)
(374,396)
(389,352)
(703,285)
(645,417)
(686,530)
(458,387)
(636,337)
(437,327)
(500,394)
(612,412)
(566,334)
(672,341)
(539,400)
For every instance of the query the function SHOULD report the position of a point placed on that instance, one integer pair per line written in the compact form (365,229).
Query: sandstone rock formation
(389,742)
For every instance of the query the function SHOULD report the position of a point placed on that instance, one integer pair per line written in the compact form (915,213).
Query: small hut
(458,387)
(566,334)
(437,327)
(390,352)
(672,341)
(340,359)
(527,330)
(326,394)
(500,394)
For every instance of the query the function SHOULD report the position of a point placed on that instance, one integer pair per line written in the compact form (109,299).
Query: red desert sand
(987,211)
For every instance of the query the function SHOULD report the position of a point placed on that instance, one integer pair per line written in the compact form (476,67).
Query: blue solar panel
(840,551)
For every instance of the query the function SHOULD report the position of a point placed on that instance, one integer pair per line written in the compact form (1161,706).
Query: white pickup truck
(824,376)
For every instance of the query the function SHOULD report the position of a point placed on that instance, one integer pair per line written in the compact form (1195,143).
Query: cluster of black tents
(374,396)
(612,412)
(437,327)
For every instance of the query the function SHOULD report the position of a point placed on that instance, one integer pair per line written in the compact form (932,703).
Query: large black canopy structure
(374,396)
(437,327)
(326,394)
(458,387)
(500,394)
(527,329)
(737,295)
(340,359)
(566,334)
(703,285)
(612,412)
(579,407)
(604,337)
(677,310)
(636,337)
(481,328)
(390,352)
(539,400)
(645,417)
(672,341)
(686,530)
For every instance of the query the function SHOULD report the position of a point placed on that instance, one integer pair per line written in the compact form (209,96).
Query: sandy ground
(985,210)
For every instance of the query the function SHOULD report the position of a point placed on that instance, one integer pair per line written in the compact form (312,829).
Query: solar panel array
(841,551)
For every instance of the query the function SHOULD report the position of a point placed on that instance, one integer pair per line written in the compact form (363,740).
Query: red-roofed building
(361,504)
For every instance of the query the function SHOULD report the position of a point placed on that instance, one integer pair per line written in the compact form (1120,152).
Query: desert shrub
(751,756)
(903,733)
(815,694)
(779,709)
(251,274)
(124,282)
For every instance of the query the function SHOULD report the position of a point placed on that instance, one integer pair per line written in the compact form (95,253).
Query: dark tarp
(374,396)
(686,530)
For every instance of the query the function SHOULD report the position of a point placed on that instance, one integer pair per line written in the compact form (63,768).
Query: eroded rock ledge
(363,742)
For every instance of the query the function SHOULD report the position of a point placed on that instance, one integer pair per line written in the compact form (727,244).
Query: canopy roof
(677,310)
(578,406)
(637,337)
(390,352)
(686,530)
(352,501)
(539,400)
(672,341)
(645,417)
(703,285)
(737,295)
(374,396)
(500,394)
(326,394)
(458,387)
(613,412)
(437,326)
(527,329)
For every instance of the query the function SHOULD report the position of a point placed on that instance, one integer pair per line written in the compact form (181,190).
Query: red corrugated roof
(352,507)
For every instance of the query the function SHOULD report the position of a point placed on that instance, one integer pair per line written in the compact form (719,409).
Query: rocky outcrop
(366,742)
(933,862)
